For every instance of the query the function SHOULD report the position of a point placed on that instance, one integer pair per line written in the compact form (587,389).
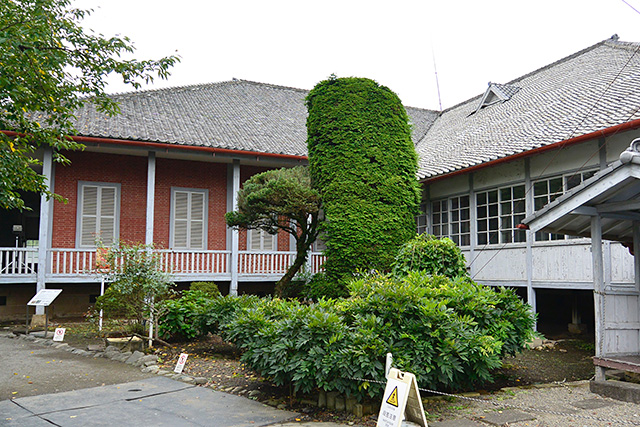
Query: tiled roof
(591,90)
(237,115)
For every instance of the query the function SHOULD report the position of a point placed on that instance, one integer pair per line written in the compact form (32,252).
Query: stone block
(340,403)
(38,321)
(350,402)
(126,343)
(358,410)
(331,399)
(322,399)
(618,390)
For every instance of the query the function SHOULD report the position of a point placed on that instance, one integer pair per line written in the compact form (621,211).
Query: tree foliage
(280,199)
(49,67)
(364,164)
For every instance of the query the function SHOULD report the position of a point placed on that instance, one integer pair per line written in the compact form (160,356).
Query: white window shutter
(189,226)
(181,220)
(89,220)
(107,230)
(255,240)
(268,241)
(197,221)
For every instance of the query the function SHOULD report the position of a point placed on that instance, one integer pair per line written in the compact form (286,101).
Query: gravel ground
(575,404)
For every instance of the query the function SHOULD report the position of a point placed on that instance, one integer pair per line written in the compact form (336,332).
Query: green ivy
(364,164)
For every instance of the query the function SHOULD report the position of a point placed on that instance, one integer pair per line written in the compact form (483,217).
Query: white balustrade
(18,261)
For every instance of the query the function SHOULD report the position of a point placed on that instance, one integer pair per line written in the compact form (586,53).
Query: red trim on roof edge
(160,145)
(634,124)
(182,147)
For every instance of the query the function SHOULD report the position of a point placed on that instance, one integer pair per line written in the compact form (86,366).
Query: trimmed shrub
(209,288)
(450,333)
(434,256)
(363,163)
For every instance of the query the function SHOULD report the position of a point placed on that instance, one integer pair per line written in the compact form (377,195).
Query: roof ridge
(202,85)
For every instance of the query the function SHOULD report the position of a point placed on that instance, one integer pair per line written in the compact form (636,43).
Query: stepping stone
(592,404)
(507,416)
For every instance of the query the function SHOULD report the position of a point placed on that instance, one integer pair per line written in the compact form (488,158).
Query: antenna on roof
(433,55)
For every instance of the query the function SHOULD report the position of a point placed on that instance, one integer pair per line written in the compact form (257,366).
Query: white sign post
(44,297)
(58,335)
(181,361)
(401,400)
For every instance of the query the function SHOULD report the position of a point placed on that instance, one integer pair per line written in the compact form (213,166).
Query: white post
(598,289)
(235,233)
(44,233)
(388,365)
(151,194)
(151,324)
(101,293)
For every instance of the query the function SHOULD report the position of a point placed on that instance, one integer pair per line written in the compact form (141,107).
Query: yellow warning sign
(393,397)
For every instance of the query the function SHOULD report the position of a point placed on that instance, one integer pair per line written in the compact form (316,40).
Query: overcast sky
(298,43)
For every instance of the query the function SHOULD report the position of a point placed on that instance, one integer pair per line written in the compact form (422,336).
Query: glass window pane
(505,194)
(482,211)
(481,199)
(518,192)
(540,188)
(493,210)
(555,185)
(464,201)
(464,214)
(493,196)
(493,224)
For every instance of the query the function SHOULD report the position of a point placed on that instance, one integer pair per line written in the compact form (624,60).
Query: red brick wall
(129,171)
(195,175)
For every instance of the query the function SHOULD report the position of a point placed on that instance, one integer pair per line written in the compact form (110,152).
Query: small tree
(137,283)
(364,165)
(280,199)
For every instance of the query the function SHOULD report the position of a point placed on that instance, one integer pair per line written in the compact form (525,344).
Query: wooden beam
(627,205)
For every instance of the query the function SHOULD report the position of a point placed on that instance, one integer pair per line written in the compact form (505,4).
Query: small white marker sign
(58,335)
(181,361)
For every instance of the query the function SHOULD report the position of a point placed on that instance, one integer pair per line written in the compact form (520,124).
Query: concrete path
(44,386)
(157,401)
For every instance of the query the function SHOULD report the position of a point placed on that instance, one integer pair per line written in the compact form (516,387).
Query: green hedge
(449,333)
(364,164)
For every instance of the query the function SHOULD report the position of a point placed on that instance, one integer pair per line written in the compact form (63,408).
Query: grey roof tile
(591,90)
(237,115)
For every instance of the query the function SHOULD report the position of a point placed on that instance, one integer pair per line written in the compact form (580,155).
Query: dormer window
(496,93)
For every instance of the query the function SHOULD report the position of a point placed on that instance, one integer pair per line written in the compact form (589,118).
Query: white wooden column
(46,222)
(473,228)
(235,233)
(598,289)
(151,195)
(530,237)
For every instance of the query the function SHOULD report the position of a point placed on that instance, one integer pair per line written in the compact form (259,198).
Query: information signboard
(44,297)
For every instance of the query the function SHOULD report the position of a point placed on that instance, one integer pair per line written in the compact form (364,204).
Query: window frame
(540,236)
(205,219)
(445,221)
(263,233)
(82,185)
(495,213)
